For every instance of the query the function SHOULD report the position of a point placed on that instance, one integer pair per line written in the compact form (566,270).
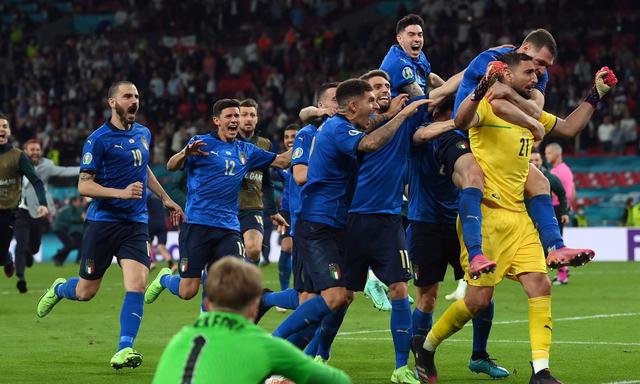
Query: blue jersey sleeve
(478,66)
(346,139)
(257,157)
(542,82)
(91,155)
(400,72)
(301,149)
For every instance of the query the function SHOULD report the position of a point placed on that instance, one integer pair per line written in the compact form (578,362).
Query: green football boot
(375,290)
(404,375)
(155,288)
(126,357)
(49,299)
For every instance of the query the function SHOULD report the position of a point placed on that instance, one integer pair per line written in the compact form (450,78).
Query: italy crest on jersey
(243,158)
(144,143)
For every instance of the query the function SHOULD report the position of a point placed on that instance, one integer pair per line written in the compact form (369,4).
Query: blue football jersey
(300,155)
(331,174)
(433,198)
(117,158)
(381,174)
(286,177)
(214,181)
(477,68)
(404,70)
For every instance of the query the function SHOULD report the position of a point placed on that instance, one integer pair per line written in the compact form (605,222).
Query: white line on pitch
(505,341)
(506,322)
(624,382)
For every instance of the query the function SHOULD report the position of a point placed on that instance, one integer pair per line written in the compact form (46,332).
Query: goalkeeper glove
(495,71)
(605,79)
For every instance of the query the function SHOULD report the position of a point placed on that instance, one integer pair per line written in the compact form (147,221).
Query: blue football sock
(284,269)
(172,283)
(283,299)
(481,329)
(68,290)
(401,330)
(422,322)
(312,348)
(303,338)
(471,219)
(130,318)
(328,330)
(544,217)
(309,313)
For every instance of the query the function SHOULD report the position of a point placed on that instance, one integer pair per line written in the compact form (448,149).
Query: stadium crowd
(184,55)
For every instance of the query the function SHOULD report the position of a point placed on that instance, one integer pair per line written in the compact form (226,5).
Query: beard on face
(122,113)
(523,92)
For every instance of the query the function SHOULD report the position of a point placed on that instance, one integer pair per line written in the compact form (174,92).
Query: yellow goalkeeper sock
(540,328)
(453,319)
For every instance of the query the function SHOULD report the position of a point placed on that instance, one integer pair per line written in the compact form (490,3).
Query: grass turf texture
(74,343)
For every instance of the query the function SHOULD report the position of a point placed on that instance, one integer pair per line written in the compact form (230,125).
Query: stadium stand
(59,57)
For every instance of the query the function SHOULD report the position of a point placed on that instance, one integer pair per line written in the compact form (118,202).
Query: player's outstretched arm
(382,135)
(604,81)
(448,88)
(176,162)
(435,81)
(433,130)
(395,106)
(283,160)
(308,114)
(175,211)
(88,187)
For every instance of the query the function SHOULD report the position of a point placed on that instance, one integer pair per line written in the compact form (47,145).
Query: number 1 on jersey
(137,157)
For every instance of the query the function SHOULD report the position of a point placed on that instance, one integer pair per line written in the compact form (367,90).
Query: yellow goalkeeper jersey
(503,150)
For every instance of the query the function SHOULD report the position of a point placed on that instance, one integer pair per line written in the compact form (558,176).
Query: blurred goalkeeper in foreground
(224,346)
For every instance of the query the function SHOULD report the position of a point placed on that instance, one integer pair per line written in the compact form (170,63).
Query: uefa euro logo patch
(86,159)
(407,72)
(297,153)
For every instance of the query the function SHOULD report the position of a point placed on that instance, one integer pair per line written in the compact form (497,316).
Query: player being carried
(503,151)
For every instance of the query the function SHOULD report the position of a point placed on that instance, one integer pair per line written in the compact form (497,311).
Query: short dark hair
(224,103)
(233,284)
(3,116)
(374,73)
(350,89)
(250,103)
(31,141)
(323,89)
(410,19)
(292,127)
(113,89)
(514,58)
(540,38)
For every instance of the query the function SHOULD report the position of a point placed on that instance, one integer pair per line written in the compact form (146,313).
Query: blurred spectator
(631,216)
(579,217)
(69,226)
(629,129)
(606,131)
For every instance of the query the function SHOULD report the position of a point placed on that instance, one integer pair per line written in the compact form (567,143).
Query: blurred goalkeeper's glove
(495,71)
(605,80)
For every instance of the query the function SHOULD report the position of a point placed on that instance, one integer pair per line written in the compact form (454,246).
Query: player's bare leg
(253,244)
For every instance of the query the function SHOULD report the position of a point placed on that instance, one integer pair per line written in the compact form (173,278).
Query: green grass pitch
(596,332)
